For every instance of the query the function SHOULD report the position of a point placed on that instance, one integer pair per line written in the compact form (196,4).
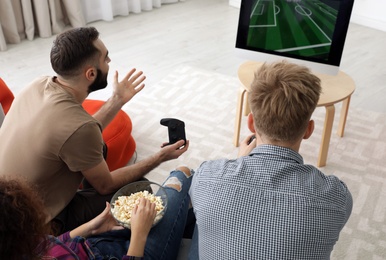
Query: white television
(307,32)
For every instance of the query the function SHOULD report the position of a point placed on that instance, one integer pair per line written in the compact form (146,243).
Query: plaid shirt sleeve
(64,247)
(59,249)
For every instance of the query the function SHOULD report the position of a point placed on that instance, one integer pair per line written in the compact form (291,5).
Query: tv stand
(335,89)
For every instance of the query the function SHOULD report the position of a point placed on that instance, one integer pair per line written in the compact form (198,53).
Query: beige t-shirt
(49,138)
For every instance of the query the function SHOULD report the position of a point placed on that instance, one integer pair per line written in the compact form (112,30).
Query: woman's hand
(102,223)
(142,218)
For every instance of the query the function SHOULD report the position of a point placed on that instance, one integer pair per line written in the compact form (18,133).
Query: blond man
(267,204)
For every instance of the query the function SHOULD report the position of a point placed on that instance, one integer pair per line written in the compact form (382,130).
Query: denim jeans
(193,251)
(164,239)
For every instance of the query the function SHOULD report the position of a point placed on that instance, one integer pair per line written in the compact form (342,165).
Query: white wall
(235,3)
(369,13)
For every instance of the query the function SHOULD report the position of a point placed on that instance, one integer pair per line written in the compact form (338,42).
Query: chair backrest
(6,96)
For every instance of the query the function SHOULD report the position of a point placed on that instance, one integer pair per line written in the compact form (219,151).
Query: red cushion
(117,136)
(6,96)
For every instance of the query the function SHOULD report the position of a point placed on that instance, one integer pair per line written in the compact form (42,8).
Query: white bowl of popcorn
(125,199)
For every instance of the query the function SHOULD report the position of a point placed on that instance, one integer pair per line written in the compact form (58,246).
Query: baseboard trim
(369,22)
(235,3)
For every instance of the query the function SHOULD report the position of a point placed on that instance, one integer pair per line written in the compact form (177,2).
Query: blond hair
(282,99)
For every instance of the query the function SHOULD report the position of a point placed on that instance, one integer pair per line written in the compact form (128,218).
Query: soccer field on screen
(299,27)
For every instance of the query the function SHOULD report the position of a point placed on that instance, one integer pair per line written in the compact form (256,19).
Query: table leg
(246,108)
(326,135)
(239,112)
(343,116)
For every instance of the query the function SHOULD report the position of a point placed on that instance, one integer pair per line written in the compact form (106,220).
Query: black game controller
(251,139)
(176,129)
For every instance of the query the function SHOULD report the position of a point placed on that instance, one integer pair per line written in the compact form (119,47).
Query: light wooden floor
(198,33)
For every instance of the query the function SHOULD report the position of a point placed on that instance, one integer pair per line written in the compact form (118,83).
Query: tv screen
(309,32)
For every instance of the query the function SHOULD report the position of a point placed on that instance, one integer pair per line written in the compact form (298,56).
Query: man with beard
(49,138)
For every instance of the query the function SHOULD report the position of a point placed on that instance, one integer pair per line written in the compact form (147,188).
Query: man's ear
(251,123)
(91,73)
(309,130)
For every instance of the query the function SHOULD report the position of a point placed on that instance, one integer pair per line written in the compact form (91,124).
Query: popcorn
(125,204)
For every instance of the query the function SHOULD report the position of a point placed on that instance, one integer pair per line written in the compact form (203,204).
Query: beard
(100,82)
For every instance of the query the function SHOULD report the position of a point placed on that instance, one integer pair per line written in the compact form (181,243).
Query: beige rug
(206,102)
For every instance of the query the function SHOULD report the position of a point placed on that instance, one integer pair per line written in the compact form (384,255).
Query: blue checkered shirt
(267,205)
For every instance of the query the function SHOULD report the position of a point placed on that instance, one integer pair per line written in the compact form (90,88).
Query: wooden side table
(335,89)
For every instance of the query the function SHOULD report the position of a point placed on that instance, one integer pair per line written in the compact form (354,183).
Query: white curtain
(25,19)
(106,9)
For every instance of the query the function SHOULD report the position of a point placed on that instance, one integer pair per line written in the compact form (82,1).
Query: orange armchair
(6,96)
(117,136)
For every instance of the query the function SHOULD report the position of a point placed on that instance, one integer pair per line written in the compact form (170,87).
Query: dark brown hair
(282,99)
(22,220)
(72,49)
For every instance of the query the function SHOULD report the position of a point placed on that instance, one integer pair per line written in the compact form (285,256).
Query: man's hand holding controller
(177,144)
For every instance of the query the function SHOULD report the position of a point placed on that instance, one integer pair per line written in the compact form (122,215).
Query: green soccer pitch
(300,27)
